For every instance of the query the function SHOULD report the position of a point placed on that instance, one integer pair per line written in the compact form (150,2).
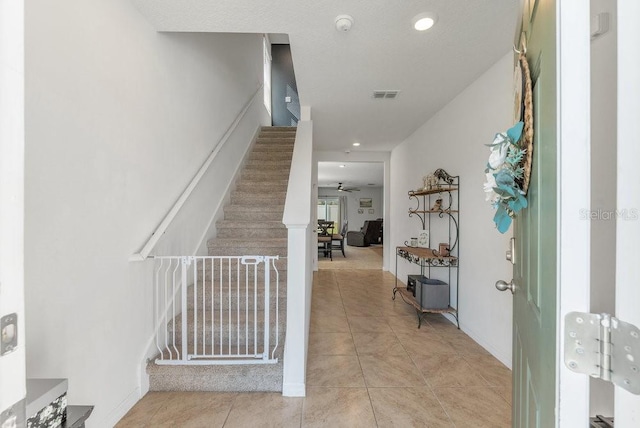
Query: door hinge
(604,347)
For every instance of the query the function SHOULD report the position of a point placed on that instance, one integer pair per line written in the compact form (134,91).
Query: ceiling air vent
(385,94)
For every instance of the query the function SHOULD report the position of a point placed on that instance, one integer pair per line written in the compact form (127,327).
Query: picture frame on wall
(366,203)
(371,211)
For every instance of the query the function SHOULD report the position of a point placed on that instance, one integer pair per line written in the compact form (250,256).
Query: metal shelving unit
(448,212)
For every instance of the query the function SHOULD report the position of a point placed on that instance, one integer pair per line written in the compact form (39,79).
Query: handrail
(143,254)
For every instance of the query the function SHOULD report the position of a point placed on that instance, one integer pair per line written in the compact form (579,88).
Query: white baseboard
(116,414)
(504,357)
(294,390)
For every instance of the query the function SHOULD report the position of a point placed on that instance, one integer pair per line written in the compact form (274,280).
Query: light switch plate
(8,334)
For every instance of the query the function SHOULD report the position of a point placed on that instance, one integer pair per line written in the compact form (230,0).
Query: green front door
(535,231)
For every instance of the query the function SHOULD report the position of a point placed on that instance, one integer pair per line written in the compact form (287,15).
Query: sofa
(370,233)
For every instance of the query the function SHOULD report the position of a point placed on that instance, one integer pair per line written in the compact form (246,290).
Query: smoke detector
(344,23)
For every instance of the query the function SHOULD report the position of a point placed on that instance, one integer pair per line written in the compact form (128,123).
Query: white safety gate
(227,313)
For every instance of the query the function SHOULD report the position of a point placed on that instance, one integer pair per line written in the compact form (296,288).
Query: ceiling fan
(341,188)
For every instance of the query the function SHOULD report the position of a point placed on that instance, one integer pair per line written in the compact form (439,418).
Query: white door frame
(12,365)
(627,406)
(574,141)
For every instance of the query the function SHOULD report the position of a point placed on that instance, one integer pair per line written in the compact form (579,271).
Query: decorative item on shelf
(504,172)
(441,174)
(423,238)
(443,249)
(438,205)
(414,242)
(429,182)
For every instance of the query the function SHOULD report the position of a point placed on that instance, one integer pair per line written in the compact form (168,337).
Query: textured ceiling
(354,174)
(337,72)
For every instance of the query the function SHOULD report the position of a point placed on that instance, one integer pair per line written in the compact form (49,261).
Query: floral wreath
(504,173)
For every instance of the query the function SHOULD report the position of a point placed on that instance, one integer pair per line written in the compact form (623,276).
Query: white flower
(490,196)
(499,151)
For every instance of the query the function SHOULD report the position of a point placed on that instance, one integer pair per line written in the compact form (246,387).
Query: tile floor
(369,365)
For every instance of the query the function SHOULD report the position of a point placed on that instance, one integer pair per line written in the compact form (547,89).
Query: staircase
(252,225)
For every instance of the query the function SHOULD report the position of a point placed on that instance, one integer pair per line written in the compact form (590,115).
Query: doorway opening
(351,196)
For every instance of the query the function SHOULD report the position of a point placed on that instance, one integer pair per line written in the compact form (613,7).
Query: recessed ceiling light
(341,166)
(356,144)
(423,21)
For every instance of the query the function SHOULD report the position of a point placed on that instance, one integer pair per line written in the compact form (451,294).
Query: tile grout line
(230,409)
(364,379)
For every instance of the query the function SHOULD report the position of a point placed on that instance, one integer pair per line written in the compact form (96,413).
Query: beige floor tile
(331,344)
(399,308)
(368,324)
(260,409)
(334,371)
(327,307)
(443,324)
(463,344)
(505,393)
(496,373)
(407,324)
(362,310)
(477,407)
(329,324)
(445,370)
(337,407)
(378,343)
(425,344)
(326,293)
(408,407)
(144,410)
(390,371)
(324,276)
(193,409)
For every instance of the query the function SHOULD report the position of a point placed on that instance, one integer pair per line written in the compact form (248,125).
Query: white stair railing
(223,315)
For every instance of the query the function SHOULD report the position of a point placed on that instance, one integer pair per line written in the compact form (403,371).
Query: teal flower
(502,173)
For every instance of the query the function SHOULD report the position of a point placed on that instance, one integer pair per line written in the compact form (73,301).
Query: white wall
(356,220)
(454,139)
(118,120)
(603,183)
(12,365)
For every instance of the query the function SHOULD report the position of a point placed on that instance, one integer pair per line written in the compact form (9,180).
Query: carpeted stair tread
(253,199)
(284,165)
(241,242)
(262,186)
(268,147)
(222,378)
(251,225)
(270,155)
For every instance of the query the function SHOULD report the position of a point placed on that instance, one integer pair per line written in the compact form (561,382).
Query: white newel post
(297,218)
